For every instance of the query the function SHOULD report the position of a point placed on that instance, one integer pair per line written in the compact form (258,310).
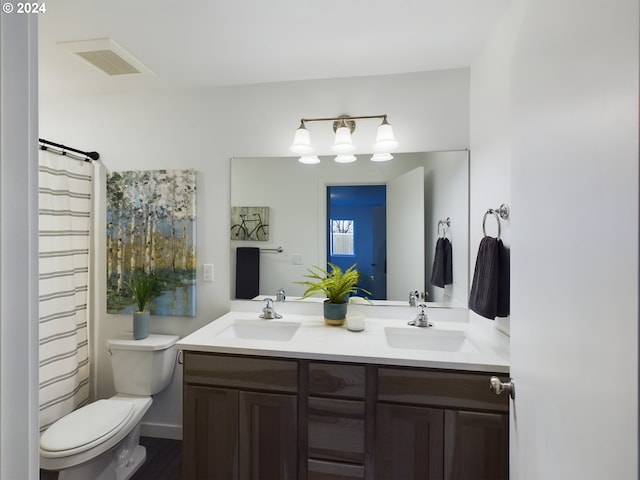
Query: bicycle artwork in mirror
(250,223)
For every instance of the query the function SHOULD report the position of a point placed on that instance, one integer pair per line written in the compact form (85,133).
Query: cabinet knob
(497,386)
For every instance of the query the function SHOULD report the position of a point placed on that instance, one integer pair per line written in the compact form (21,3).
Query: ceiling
(205,43)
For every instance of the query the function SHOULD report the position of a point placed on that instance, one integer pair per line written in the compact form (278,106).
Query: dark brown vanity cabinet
(239,418)
(436,424)
(270,418)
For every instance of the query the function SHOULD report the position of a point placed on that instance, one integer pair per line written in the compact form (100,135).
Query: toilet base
(105,468)
(125,472)
(114,464)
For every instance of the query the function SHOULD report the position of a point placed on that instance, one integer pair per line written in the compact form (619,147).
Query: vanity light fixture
(343,127)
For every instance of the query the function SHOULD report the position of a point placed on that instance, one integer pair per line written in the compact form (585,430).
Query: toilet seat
(86,427)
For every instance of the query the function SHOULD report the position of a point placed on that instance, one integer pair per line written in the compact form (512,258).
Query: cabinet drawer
(336,379)
(336,429)
(320,470)
(439,388)
(241,372)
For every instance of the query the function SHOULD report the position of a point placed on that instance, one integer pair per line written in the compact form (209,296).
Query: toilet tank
(142,367)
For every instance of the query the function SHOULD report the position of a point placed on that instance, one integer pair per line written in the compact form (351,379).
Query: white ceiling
(204,43)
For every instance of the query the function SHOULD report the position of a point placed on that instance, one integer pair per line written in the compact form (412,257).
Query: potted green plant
(337,285)
(143,288)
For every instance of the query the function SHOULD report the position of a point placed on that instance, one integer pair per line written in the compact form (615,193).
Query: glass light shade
(342,142)
(385,141)
(381,157)
(309,159)
(345,158)
(301,142)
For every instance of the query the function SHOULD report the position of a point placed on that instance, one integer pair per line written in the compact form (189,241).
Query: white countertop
(317,341)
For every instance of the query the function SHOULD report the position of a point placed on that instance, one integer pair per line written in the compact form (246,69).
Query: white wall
(18,248)
(489,139)
(554,127)
(202,129)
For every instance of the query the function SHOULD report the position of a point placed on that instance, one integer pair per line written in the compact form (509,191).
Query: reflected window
(342,237)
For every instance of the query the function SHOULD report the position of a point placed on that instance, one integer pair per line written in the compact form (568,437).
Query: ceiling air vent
(107,56)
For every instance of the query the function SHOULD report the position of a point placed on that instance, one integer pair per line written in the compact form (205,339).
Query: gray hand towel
(247,272)
(442,270)
(489,295)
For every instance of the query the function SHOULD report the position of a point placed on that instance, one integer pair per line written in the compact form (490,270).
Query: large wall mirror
(318,213)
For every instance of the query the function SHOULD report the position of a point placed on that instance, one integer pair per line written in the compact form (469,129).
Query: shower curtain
(65,207)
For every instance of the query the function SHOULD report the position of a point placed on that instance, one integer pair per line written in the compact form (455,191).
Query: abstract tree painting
(151,227)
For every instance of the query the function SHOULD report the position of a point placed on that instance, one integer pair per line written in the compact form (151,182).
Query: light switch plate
(207,272)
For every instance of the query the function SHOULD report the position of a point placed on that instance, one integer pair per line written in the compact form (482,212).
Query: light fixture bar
(345,117)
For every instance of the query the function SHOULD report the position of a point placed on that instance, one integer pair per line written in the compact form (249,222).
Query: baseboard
(161,430)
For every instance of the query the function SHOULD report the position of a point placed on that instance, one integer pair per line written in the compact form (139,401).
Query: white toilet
(100,441)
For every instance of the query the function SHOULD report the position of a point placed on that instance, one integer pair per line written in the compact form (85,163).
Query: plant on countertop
(143,287)
(336,285)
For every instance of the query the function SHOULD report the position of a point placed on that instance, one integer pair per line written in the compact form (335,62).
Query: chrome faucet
(268,312)
(280,296)
(421,319)
(413,298)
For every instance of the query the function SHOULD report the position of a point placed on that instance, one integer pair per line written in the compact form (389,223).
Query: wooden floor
(163,461)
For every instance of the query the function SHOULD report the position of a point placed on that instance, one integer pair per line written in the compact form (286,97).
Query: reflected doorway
(357,233)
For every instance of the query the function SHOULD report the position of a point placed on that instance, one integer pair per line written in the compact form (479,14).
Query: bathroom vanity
(295,399)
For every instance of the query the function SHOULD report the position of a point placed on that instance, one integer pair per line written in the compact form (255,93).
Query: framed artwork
(250,223)
(151,227)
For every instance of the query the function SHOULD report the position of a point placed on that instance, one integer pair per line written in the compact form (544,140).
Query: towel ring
(501,212)
(484,219)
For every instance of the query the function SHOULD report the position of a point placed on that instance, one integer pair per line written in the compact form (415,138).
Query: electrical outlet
(207,272)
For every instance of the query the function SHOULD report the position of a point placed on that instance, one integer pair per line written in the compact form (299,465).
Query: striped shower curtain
(65,186)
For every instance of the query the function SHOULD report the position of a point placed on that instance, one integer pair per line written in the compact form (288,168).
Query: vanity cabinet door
(409,442)
(268,436)
(210,433)
(476,445)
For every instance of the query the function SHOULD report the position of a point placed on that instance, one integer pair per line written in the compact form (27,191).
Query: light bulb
(345,158)
(309,159)
(385,141)
(301,141)
(342,142)
(381,157)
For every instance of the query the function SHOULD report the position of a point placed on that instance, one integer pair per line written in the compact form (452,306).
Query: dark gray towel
(442,270)
(247,272)
(490,289)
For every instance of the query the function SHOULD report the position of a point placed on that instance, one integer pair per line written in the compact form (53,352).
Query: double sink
(412,338)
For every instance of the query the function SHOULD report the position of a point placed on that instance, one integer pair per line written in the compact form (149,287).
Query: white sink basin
(415,338)
(261,330)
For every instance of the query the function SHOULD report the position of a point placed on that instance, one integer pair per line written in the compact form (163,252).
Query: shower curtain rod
(64,150)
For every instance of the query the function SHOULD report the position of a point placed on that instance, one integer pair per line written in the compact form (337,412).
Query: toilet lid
(86,425)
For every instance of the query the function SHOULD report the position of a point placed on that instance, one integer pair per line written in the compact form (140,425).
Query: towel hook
(444,224)
(500,212)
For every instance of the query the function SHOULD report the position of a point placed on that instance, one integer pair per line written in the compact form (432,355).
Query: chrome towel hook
(444,224)
(501,212)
